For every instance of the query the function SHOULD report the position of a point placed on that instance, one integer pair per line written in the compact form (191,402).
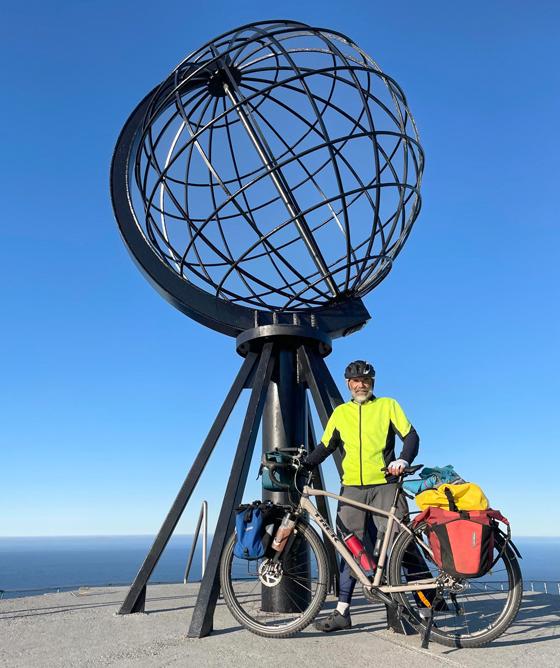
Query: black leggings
(353,520)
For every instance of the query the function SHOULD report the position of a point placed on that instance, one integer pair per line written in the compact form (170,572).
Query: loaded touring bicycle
(444,606)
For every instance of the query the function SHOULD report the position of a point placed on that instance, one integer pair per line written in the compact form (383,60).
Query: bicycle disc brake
(270,573)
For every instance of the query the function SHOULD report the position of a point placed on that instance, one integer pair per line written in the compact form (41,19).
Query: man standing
(364,429)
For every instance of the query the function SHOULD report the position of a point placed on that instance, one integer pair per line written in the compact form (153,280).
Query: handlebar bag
(462,541)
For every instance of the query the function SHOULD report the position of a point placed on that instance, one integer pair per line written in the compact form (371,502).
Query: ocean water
(69,562)
(32,565)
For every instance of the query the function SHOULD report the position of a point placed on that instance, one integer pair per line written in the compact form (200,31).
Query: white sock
(342,607)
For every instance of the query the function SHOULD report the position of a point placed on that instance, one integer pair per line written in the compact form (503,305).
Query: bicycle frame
(340,547)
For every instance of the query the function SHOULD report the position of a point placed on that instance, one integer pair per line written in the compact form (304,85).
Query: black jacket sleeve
(320,453)
(411,444)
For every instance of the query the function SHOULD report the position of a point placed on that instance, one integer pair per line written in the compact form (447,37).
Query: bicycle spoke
(477,610)
(301,578)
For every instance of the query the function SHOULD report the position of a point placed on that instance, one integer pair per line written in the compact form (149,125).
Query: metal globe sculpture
(264,187)
(277,168)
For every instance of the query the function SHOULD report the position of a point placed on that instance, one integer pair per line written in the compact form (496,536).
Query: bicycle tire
(243,595)
(492,607)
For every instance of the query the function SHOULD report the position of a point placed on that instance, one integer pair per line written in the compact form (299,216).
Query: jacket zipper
(360,433)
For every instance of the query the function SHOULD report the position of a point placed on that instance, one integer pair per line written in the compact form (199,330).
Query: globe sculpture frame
(263,189)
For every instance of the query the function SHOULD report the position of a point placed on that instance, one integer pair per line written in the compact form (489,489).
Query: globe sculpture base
(280,367)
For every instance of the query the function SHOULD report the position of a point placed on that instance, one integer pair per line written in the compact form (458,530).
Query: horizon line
(153,535)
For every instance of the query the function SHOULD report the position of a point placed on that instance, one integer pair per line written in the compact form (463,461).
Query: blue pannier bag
(250,524)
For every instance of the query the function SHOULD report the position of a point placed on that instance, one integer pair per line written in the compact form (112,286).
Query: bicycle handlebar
(272,473)
(294,461)
(408,470)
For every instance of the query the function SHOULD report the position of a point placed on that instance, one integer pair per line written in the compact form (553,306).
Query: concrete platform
(82,629)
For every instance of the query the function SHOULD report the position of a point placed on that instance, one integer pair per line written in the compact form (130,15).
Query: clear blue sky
(107,391)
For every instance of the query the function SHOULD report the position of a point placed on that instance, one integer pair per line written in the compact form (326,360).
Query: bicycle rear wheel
(300,576)
(473,611)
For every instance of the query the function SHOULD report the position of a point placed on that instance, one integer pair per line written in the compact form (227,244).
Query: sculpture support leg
(323,508)
(324,391)
(135,599)
(201,623)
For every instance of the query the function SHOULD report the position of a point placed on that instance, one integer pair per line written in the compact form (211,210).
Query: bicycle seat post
(398,489)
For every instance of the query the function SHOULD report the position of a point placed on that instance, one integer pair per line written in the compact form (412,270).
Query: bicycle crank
(369,595)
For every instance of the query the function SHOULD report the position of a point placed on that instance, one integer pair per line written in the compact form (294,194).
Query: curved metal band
(335,320)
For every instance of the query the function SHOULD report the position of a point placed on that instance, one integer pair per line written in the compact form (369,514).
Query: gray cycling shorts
(353,520)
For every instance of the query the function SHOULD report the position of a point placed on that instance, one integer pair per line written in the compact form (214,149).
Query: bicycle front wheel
(473,612)
(276,600)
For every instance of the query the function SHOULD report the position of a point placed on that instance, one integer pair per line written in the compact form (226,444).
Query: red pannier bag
(462,541)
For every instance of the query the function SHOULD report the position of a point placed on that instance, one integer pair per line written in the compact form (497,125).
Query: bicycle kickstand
(427,615)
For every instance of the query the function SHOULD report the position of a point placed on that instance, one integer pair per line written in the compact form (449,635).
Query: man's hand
(306,466)
(397,467)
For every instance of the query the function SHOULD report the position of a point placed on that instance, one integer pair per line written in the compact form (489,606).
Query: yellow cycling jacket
(366,435)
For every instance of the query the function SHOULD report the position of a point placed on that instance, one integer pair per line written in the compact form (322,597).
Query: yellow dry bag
(468,496)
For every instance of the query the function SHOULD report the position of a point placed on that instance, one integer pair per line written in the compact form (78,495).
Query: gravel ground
(82,629)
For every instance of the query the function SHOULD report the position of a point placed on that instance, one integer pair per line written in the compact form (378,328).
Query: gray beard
(361,398)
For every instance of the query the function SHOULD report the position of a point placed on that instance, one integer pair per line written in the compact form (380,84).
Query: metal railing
(202,520)
(59,589)
(536,586)
(542,586)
